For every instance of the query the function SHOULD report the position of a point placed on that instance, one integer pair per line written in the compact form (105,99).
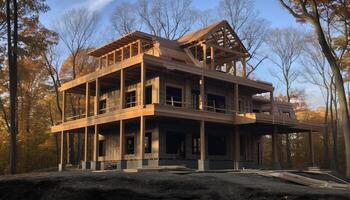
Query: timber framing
(153,101)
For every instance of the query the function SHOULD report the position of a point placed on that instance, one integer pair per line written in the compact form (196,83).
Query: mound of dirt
(155,185)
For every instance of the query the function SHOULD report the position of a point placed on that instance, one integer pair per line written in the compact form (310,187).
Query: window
(216,145)
(149,94)
(130,148)
(103,106)
(216,103)
(175,143)
(130,99)
(174,96)
(196,144)
(148,142)
(102,148)
(195,99)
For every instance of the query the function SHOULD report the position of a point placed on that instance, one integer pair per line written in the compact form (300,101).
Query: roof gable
(220,33)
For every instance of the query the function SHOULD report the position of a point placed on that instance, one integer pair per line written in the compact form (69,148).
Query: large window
(216,103)
(130,99)
(102,148)
(130,145)
(175,143)
(196,144)
(216,145)
(148,94)
(148,142)
(174,96)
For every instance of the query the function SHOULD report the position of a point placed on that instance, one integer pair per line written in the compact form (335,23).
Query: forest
(50,56)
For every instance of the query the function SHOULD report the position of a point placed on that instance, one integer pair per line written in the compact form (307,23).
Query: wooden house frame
(155,102)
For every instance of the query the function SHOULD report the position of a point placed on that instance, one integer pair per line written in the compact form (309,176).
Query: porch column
(121,145)
(122,88)
(235,68)
(97,97)
(86,142)
(87,100)
(275,161)
(237,149)
(204,55)
(94,163)
(203,163)
(62,163)
(63,106)
(68,147)
(142,140)
(236,98)
(272,109)
(212,58)
(143,82)
(311,150)
(201,95)
(244,68)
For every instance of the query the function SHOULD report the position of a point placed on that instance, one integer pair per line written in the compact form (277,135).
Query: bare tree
(76,29)
(124,18)
(328,18)
(249,26)
(167,18)
(317,72)
(286,47)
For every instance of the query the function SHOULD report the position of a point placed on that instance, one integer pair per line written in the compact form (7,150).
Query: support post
(201,93)
(122,88)
(236,98)
(204,55)
(237,148)
(121,145)
(63,149)
(203,163)
(63,106)
(311,146)
(272,109)
(68,147)
(87,100)
(97,97)
(86,142)
(235,68)
(94,163)
(244,68)
(275,161)
(139,46)
(142,140)
(143,82)
(212,55)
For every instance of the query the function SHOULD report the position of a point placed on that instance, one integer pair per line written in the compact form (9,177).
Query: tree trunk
(339,84)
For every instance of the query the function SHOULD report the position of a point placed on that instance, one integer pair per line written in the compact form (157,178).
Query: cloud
(97,5)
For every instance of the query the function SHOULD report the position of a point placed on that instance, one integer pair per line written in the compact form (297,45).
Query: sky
(270,10)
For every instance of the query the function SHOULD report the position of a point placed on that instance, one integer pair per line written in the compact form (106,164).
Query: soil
(155,185)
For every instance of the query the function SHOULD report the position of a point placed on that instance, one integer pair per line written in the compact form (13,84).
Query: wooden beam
(68,147)
(275,162)
(236,147)
(122,88)
(212,57)
(87,100)
(204,55)
(86,142)
(142,137)
(121,140)
(226,49)
(202,140)
(272,109)
(143,82)
(202,93)
(97,97)
(63,149)
(63,106)
(236,98)
(95,154)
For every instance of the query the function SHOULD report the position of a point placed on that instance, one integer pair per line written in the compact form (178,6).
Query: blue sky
(270,10)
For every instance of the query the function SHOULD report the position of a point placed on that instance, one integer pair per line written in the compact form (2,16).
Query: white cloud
(97,5)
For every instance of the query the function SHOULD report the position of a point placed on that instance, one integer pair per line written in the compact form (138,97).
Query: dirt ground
(155,185)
